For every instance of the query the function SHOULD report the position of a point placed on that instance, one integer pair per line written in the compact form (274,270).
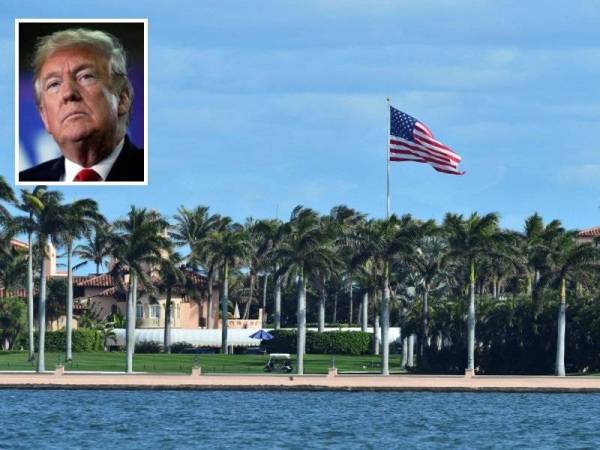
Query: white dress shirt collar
(102,168)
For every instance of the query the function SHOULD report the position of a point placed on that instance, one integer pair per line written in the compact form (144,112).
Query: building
(101,294)
(588,235)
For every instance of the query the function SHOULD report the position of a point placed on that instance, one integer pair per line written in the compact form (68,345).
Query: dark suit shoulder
(50,170)
(129,166)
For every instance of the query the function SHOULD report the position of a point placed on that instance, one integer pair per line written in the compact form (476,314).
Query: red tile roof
(196,279)
(590,232)
(15,293)
(102,281)
(112,292)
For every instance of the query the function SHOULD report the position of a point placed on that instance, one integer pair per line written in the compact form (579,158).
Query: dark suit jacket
(129,166)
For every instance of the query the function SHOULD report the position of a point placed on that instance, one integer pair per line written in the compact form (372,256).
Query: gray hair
(102,42)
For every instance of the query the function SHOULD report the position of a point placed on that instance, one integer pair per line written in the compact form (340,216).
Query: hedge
(84,340)
(329,342)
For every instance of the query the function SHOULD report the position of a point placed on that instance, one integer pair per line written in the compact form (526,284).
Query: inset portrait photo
(81,102)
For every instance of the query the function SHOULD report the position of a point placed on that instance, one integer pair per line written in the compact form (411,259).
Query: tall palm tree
(170,277)
(304,253)
(79,218)
(566,258)
(381,242)
(345,220)
(190,229)
(30,202)
(48,222)
(266,236)
(137,246)
(471,239)
(229,245)
(428,261)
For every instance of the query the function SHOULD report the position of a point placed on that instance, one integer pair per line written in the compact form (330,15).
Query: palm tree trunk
(167,337)
(224,313)
(209,314)
(560,337)
(131,319)
(69,327)
(350,306)
(246,311)
(250,295)
(495,287)
(41,367)
(471,320)
(301,338)
(404,352)
(277,303)
(30,298)
(411,351)
(365,312)
(385,326)
(322,311)
(264,300)
(335,305)
(376,342)
(425,322)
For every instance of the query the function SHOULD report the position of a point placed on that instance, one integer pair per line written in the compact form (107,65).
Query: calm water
(298,420)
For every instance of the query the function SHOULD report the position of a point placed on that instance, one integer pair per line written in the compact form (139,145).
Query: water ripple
(297,420)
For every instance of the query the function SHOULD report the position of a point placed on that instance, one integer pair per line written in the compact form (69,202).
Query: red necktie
(87,175)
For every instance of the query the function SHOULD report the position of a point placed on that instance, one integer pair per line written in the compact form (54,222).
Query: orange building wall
(190,314)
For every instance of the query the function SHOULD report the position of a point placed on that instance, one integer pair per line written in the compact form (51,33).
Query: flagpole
(387,159)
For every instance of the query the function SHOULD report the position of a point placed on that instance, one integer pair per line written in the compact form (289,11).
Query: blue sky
(256,107)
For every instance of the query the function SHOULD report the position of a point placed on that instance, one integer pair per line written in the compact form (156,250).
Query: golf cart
(279,362)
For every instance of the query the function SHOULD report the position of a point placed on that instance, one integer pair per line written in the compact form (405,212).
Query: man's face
(76,102)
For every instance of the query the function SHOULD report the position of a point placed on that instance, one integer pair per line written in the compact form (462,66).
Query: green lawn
(182,363)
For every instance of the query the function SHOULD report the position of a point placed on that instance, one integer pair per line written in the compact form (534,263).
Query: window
(154,311)
(139,311)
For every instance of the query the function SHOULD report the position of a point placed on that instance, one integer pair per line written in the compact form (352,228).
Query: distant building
(100,293)
(588,235)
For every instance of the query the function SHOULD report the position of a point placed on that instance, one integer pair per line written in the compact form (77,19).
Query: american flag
(411,140)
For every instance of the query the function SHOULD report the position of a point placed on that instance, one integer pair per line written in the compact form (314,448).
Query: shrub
(178,347)
(84,340)
(148,347)
(330,342)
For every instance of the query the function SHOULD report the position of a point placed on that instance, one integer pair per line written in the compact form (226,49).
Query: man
(84,99)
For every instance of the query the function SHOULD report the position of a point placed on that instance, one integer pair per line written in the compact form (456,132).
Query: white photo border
(144,21)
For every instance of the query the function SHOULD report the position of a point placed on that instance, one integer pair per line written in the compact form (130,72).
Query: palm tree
(471,239)
(428,261)
(265,236)
(48,222)
(13,265)
(137,246)
(228,245)
(381,242)
(171,276)
(78,219)
(536,244)
(305,252)
(566,258)
(190,229)
(30,202)
(96,246)
(345,220)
